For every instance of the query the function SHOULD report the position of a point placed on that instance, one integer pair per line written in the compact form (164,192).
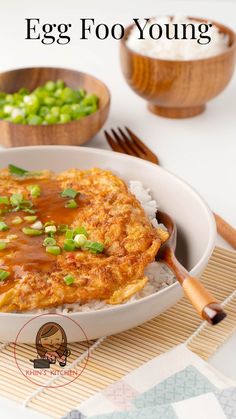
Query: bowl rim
(108,153)
(87,117)
(227,30)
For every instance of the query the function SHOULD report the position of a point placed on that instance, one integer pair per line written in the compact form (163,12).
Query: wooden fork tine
(123,145)
(130,145)
(137,141)
(143,148)
(113,144)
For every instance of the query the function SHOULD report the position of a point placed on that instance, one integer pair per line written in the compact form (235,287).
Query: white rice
(158,273)
(177,49)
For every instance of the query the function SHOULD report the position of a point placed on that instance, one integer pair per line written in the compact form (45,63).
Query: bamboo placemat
(113,357)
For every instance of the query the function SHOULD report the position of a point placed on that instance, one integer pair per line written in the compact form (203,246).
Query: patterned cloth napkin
(174,385)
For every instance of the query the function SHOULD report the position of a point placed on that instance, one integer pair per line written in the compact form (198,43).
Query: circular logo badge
(53,363)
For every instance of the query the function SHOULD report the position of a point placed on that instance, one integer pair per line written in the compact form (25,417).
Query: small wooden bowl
(178,89)
(71,133)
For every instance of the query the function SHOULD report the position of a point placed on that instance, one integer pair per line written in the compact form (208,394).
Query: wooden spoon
(205,304)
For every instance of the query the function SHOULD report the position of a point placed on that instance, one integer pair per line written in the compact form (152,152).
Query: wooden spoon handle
(226,230)
(205,304)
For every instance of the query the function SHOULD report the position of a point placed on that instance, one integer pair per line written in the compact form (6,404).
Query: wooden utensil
(178,89)
(71,133)
(128,143)
(226,230)
(205,304)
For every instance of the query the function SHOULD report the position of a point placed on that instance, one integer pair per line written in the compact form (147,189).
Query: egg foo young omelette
(76,236)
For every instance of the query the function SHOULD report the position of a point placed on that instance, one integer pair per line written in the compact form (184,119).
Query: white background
(202,150)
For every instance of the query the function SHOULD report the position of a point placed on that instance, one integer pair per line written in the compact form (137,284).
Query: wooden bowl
(178,89)
(71,133)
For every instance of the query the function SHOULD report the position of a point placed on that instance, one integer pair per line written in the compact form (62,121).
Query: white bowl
(196,228)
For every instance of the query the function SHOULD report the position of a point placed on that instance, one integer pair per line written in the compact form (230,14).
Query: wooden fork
(125,141)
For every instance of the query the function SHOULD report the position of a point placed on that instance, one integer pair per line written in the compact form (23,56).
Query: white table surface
(201,150)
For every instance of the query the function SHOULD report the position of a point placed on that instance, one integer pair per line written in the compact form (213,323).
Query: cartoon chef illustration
(51,344)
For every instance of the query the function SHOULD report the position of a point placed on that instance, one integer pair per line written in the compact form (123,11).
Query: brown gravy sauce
(27,253)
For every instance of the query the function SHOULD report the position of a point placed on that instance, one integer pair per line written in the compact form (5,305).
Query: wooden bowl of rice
(178,88)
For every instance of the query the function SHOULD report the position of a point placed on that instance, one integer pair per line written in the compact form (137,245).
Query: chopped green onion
(80,240)
(3,226)
(16,199)
(69,279)
(62,228)
(4,274)
(69,234)
(49,241)
(30,211)
(14,170)
(34,190)
(71,204)
(37,225)
(50,229)
(4,200)
(31,232)
(69,193)
(94,247)
(17,220)
(80,230)
(19,203)
(69,245)
(50,85)
(53,250)
(18,171)
(34,120)
(3,245)
(30,218)
(60,84)
(25,204)
(53,102)
(55,110)
(64,118)
(49,223)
